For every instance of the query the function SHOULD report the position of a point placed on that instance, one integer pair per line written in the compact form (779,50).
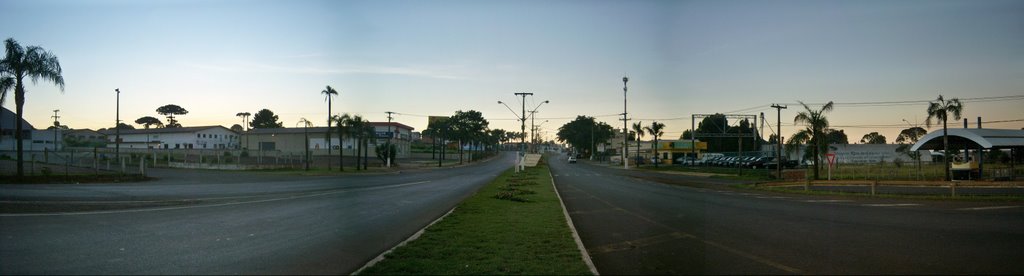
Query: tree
(385,151)
(356,124)
(169,111)
(836,137)
(873,138)
(148,121)
(327,94)
(583,134)
(265,119)
(124,126)
(657,130)
(638,131)
(245,118)
(468,127)
(906,139)
(237,128)
(814,134)
(6,84)
(33,62)
(342,122)
(940,109)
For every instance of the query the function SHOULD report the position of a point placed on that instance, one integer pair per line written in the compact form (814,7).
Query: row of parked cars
(755,162)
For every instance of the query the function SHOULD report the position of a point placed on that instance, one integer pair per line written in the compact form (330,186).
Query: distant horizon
(880,61)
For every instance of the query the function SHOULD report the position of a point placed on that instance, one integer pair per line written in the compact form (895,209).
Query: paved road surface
(633,225)
(245,224)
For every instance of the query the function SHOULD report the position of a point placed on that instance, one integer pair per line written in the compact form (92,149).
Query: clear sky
(218,58)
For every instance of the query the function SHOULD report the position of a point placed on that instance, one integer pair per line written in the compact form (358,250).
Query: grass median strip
(514,225)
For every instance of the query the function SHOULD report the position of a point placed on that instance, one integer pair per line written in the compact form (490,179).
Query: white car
(572,159)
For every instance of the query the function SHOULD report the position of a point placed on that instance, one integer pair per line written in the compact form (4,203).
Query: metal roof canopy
(987,138)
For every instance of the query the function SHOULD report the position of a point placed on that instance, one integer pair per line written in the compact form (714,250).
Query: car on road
(572,159)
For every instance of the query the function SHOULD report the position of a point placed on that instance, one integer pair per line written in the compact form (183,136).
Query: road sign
(831,161)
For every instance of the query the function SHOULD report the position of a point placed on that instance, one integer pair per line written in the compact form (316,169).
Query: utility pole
(625,128)
(533,131)
(117,127)
(592,146)
(56,127)
(778,139)
(522,125)
(387,148)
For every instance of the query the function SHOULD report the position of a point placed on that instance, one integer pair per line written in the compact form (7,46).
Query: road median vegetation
(513,225)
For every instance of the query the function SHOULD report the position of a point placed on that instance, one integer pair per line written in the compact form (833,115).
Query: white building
(32,139)
(200,137)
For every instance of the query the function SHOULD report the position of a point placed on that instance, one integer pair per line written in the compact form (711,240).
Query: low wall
(235,167)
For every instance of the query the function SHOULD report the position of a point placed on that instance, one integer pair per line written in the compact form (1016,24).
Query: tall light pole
(305,130)
(532,130)
(117,127)
(522,125)
(778,140)
(625,128)
(56,126)
(387,148)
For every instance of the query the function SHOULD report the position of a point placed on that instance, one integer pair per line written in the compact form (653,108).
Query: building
(32,139)
(84,138)
(294,139)
(199,137)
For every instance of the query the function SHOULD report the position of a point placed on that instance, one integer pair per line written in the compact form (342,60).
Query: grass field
(524,233)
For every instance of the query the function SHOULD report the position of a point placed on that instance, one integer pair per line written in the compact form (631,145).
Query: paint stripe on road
(827,200)
(773,197)
(891,204)
(988,208)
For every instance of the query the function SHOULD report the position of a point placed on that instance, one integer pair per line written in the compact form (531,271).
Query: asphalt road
(631,223)
(242,223)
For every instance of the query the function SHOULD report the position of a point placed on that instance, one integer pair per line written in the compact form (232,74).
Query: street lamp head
(547,101)
(499,102)
(625,79)
(118,90)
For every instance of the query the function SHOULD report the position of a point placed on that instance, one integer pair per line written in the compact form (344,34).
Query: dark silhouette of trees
(169,111)
(582,133)
(265,119)
(873,138)
(342,123)
(814,134)
(328,93)
(148,121)
(656,129)
(237,128)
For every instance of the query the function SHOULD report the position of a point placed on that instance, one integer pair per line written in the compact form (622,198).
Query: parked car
(572,159)
(686,160)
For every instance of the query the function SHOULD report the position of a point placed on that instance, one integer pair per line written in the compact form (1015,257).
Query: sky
(217,58)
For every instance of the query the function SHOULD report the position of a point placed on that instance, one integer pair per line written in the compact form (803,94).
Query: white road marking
(988,208)
(772,197)
(891,204)
(827,200)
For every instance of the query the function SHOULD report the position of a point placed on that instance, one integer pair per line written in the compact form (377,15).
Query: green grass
(487,235)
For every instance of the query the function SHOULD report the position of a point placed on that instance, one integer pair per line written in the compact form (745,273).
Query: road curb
(575,235)
(403,243)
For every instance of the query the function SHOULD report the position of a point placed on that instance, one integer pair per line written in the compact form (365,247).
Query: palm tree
(940,109)
(639,130)
(370,133)
(305,130)
(355,124)
(6,84)
(245,123)
(342,122)
(657,130)
(814,134)
(33,62)
(327,94)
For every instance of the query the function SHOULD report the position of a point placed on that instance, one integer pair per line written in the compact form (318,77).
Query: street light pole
(778,140)
(117,127)
(56,126)
(522,124)
(625,128)
(387,148)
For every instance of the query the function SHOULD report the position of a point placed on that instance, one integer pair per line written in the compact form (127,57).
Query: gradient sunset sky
(218,57)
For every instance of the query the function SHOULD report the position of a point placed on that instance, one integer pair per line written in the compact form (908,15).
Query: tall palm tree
(638,128)
(657,130)
(940,109)
(355,125)
(370,133)
(815,131)
(33,62)
(245,124)
(342,122)
(328,93)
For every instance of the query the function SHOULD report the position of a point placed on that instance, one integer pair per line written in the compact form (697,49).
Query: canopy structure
(986,138)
